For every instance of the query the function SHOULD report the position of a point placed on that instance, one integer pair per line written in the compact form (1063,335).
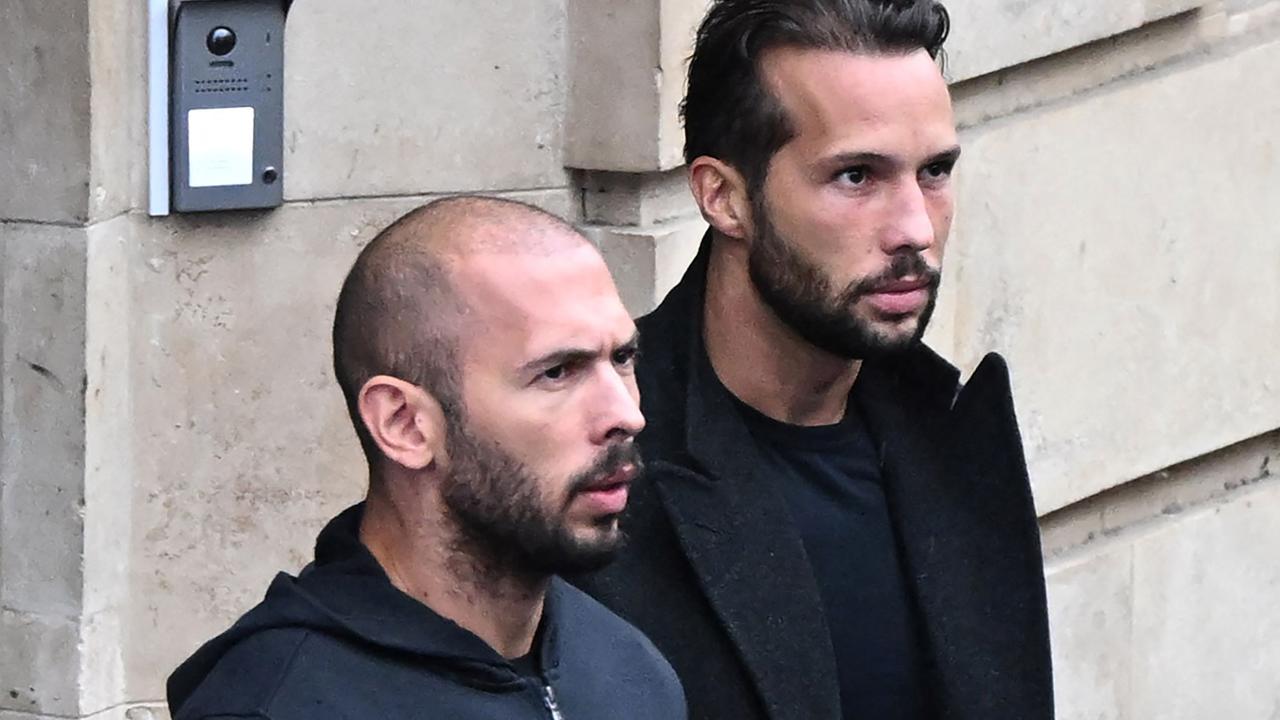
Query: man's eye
(625,356)
(853,175)
(557,372)
(938,170)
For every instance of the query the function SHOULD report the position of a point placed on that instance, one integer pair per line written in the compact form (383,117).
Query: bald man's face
(543,461)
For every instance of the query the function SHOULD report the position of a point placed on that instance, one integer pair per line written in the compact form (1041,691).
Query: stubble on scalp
(399,312)
(499,520)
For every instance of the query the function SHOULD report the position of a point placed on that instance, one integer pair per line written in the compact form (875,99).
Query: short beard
(800,294)
(505,528)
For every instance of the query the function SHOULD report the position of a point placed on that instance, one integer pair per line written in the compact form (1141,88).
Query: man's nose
(618,415)
(910,227)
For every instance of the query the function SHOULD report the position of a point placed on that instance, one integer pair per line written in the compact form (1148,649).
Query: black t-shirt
(830,476)
(530,664)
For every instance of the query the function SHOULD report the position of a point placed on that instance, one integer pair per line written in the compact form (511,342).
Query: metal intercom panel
(227,105)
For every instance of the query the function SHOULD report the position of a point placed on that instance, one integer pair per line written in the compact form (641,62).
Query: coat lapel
(946,475)
(733,524)
(913,476)
(738,535)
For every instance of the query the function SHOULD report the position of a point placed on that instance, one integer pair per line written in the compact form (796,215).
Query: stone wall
(170,434)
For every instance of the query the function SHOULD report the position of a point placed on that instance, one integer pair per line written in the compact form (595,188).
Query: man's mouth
(903,285)
(607,494)
(901,297)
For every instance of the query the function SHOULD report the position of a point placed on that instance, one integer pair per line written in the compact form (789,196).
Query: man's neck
(761,360)
(426,561)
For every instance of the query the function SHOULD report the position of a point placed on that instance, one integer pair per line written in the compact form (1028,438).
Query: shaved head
(399,313)
(458,226)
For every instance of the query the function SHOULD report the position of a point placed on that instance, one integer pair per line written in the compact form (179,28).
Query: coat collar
(733,524)
(961,500)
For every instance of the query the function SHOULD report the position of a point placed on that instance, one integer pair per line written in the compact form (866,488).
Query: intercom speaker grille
(222,85)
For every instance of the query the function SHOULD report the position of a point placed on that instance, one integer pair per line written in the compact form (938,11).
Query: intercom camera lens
(221,40)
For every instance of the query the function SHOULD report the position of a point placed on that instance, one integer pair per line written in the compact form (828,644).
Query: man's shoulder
(599,648)
(290,673)
(600,635)
(248,677)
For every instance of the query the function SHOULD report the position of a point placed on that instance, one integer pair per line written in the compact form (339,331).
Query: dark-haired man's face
(541,461)
(850,225)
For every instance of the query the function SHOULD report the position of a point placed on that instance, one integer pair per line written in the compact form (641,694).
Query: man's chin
(603,535)
(897,336)
(592,553)
(886,334)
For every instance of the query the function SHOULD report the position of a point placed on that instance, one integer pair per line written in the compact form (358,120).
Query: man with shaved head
(488,367)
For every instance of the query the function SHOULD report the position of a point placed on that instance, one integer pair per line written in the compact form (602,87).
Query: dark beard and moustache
(505,528)
(798,292)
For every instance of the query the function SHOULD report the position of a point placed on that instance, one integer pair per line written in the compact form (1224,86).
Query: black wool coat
(715,573)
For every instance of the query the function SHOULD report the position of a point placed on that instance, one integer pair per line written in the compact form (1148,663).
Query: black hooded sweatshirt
(340,641)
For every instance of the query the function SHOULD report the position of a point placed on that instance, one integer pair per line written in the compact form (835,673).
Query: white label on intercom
(220,146)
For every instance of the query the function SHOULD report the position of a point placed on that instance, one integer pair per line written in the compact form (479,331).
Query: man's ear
(405,421)
(721,194)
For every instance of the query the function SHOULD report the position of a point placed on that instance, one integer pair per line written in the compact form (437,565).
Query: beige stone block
(1259,18)
(647,262)
(109,418)
(940,333)
(1244,5)
(989,35)
(626,80)
(147,712)
(423,97)
(38,664)
(1090,618)
(242,447)
(1137,305)
(637,199)
(118,150)
(44,111)
(1208,479)
(101,685)
(109,472)
(1206,636)
(133,712)
(41,417)
(1082,69)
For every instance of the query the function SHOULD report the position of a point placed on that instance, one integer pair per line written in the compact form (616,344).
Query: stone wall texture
(171,435)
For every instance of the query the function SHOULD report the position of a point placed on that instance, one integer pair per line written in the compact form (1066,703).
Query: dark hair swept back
(728,112)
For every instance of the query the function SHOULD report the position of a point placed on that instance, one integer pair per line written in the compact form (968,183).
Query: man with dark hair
(837,528)
(488,366)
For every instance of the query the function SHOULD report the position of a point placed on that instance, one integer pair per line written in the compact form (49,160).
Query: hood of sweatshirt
(346,594)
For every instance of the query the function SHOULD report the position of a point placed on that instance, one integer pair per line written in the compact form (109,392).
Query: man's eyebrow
(855,158)
(573,355)
(850,159)
(951,155)
(563,356)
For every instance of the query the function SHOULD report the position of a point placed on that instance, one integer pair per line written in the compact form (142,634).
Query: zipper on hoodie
(549,699)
